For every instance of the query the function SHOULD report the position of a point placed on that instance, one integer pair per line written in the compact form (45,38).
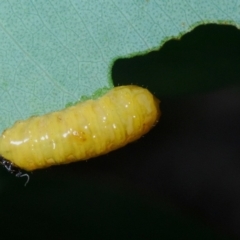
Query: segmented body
(83,131)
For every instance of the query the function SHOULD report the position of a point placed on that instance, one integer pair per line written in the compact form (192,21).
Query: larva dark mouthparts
(83,131)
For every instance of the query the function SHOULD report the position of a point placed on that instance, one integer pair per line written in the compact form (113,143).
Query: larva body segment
(86,130)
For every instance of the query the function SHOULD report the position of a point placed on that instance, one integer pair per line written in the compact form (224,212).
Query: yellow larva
(86,130)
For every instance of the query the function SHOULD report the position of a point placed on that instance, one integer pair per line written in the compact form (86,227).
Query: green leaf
(55,53)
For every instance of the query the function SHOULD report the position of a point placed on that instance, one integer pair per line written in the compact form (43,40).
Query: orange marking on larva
(81,136)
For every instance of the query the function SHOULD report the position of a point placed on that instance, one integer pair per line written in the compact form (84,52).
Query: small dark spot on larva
(59,118)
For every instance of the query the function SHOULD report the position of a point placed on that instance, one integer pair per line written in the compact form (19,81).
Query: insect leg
(13,169)
(8,165)
(20,174)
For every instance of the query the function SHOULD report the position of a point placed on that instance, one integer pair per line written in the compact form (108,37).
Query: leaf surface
(55,53)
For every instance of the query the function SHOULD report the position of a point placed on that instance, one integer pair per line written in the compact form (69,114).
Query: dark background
(180,181)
